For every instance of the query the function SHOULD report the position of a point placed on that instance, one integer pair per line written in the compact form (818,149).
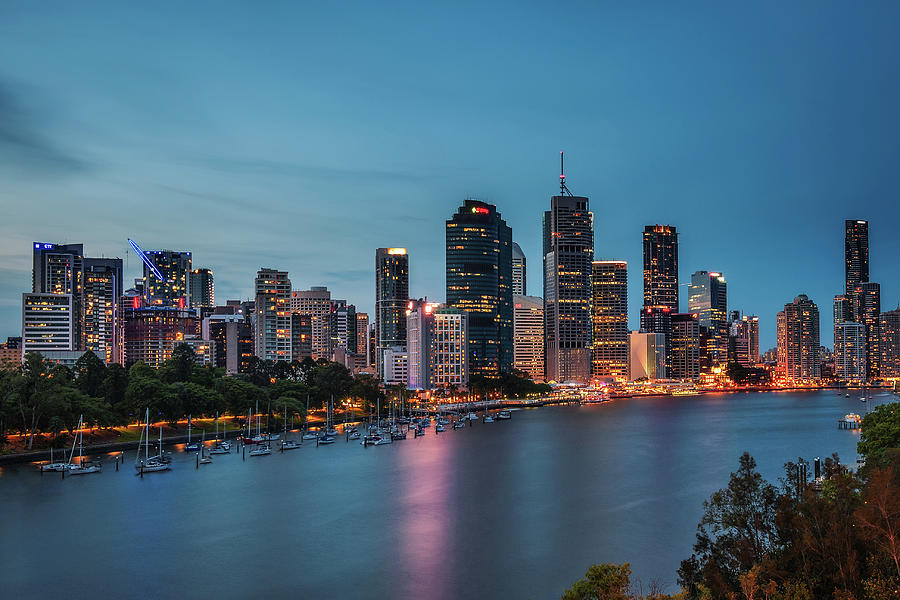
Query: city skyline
(185,156)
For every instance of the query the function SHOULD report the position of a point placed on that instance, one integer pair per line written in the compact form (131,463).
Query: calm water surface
(515,509)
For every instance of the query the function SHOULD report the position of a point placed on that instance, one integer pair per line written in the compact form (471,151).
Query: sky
(302,136)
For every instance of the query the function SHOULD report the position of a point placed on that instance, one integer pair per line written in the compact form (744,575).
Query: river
(514,509)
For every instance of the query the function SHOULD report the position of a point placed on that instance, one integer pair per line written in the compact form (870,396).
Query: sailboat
(261,449)
(223,447)
(204,458)
(150,464)
(80,468)
(328,433)
(191,446)
(54,466)
(287,444)
(307,434)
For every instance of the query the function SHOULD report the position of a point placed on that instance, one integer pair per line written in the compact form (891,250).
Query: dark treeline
(43,397)
(838,538)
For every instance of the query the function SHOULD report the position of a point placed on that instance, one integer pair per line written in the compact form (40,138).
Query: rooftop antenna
(563,190)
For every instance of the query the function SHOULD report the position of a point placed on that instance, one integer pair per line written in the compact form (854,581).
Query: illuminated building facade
(59,269)
(437,347)
(685,347)
(743,339)
(646,355)
(707,297)
(850,351)
(342,326)
(48,322)
(856,254)
(362,334)
(150,333)
(867,310)
(661,266)
(568,255)
(273,315)
(175,267)
(889,329)
(528,335)
(396,366)
(609,313)
(519,271)
(230,330)
(202,288)
(316,302)
(479,281)
(101,292)
(799,358)
(391,298)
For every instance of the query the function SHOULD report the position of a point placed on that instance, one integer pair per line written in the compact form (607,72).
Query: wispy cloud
(24,145)
(353,275)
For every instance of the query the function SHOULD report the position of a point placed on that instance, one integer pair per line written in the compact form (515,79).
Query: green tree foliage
(90,373)
(880,432)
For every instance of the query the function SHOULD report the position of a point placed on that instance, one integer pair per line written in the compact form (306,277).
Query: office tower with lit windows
(202,288)
(799,335)
(301,337)
(707,298)
(661,266)
(743,339)
(391,298)
(528,336)
(175,267)
(48,322)
(519,272)
(850,351)
(658,319)
(889,329)
(230,330)
(646,355)
(362,334)
(685,347)
(867,310)
(856,254)
(609,313)
(479,281)
(316,302)
(568,232)
(150,333)
(57,269)
(101,292)
(342,326)
(437,347)
(273,315)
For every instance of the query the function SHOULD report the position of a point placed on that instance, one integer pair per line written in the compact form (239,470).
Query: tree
(880,431)
(332,380)
(602,582)
(181,365)
(114,386)
(738,529)
(90,373)
(879,515)
(34,398)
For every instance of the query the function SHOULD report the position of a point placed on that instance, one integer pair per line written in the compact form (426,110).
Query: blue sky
(302,136)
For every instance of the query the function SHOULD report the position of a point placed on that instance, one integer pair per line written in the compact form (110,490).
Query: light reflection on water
(514,509)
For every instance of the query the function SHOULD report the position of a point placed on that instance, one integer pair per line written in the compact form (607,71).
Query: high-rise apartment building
(609,313)
(799,330)
(48,323)
(889,329)
(568,255)
(528,335)
(856,254)
(273,315)
(437,347)
(685,347)
(342,326)
(230,332)
(646,355)
(867,310)
(519,272)
(175,267)
(391,298)
(658,319)
(316,302)
(707,297)
(479,281)
(850,351)
(100,300)
(151,333)
(661,266)
(202,288)
(743,339)
(362,334)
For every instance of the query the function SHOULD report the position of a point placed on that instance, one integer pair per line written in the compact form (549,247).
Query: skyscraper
(342,326)
(273,315)
(646,355)
(568,255)
(362,334)
(800,333)
(519,284)
(101,293)
(57,269)
(528,335)
(856,254)
(889,329)
(317,304)
(479,281)
(850,351)
(437,349)
(175,267)
(867,310)
(661,266)
(658,319)
(391,298)
(743,339)
(609,285)
(685,347)
(707,298)
(203,289)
